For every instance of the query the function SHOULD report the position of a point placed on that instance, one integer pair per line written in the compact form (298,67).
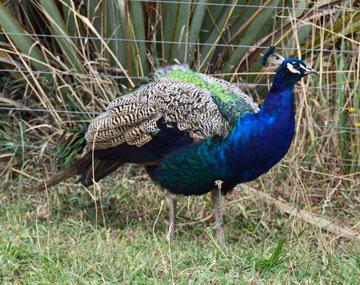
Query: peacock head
(290,70)
(295,68)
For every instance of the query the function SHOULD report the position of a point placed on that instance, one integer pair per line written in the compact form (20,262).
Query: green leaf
(169,14)
(58,27)
(20,38)
(115,26)
(273,260)
(252,33)
(181,30)
(138,25)
(219,28)
(94,14)
(342,114)
(195,27)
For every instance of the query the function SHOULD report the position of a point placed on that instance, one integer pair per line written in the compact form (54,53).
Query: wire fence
(339,8)
(176,42)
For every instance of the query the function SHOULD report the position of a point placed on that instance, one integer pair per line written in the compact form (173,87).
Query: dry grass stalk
(310,218)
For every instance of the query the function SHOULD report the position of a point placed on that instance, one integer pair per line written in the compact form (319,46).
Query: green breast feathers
(199,104)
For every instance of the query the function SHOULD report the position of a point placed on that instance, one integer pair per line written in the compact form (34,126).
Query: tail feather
(97,171)
(62,175)
(89,170)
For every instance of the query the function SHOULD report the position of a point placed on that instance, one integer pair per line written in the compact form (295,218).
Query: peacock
(194,133)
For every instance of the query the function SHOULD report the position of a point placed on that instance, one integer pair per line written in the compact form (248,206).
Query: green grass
(67,237)
(73,236)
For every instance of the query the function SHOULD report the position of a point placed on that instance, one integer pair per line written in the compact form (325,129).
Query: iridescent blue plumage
(255,144)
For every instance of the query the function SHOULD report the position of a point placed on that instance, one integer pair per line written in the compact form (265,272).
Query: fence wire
(176,42)
(339,8)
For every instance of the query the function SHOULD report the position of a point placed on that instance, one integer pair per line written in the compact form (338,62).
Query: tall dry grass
(63,61)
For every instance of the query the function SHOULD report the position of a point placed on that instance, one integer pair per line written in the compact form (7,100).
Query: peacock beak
(310,71)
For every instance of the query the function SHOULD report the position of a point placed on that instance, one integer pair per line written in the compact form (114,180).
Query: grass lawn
(63,61)
(78,237)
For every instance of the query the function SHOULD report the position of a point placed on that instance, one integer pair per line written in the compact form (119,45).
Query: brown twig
(106,69)
(322,223)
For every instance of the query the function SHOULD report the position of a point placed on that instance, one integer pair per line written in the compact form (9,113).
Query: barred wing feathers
(180,97)
(132,118)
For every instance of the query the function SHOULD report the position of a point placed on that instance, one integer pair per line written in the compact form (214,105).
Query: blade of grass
(92,11)
(169,18)
(89,25)
(195,27)
(18,35)
(252,33)
(58,27)
(181,30)
(273,260)
(342,116)
(138,24)
(215,35)
(116,26)
(69,18)
(274,37)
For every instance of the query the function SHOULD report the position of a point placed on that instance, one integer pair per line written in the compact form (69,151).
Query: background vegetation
(62,61)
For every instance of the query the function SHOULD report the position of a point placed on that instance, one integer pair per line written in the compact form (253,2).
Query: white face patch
(291,68)
(303,67)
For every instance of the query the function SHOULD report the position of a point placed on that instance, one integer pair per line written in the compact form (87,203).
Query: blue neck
(260,140)
(280,95)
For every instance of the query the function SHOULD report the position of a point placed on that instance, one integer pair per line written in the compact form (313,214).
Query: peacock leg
(219,224)
(171,198)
